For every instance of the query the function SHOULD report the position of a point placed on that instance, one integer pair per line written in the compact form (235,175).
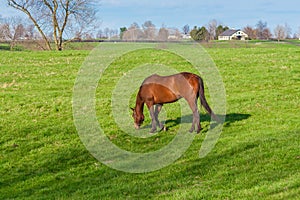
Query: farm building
(232,34)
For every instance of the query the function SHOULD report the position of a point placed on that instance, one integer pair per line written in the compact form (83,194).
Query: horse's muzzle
(136,126)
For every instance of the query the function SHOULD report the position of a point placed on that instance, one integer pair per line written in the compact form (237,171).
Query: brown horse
(157,90)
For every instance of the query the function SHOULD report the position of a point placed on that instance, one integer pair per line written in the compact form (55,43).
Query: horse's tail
(204,102)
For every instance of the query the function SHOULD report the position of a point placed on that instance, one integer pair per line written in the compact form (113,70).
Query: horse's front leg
(153,119)
(158,108)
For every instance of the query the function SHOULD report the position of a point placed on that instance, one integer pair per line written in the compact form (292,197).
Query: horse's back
(181,84)
(175,78)
(157,79)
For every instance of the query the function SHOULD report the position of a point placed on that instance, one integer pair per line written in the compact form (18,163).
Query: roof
(229,32)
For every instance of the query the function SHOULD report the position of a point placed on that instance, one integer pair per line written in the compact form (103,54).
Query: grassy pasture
(256,157)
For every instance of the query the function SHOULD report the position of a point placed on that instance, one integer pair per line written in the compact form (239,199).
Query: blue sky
(177,13)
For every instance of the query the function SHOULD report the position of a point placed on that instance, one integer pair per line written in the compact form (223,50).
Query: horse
(158,90)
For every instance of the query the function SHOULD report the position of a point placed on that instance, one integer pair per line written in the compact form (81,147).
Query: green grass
(256,157)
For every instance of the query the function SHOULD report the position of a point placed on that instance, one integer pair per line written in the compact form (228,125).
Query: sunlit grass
(256,157)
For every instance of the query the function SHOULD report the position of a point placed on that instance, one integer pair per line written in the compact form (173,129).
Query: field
(256,156)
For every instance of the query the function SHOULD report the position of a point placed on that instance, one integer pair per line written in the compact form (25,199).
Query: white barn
(231,34)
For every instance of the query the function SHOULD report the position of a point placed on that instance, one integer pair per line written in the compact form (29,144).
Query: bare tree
(280,32)
(133,33)
(149,30)
(267,34)
(88,36)
(106,32)
(212,28)
(262,31)
(135,25)
(111,33)
(260,26)
(100,34)
(30,32)
(57,16)
(288,30)
(251,32)
(163,34)
(12,30)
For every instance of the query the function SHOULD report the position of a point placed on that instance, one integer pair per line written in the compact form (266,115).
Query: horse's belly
(163,95)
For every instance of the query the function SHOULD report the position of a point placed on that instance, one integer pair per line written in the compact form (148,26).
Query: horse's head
(138,118)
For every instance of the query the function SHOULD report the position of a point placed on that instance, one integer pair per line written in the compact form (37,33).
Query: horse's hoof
(152,130)
(199,130)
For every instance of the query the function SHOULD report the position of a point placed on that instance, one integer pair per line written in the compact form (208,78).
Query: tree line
(148,31)
(211,31)
(14,29)
(54,21)
(259,32)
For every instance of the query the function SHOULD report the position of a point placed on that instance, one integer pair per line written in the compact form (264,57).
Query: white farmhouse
(231,34)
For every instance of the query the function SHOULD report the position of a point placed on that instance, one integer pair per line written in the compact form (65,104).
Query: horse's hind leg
(158,108)
(196,117)
(196,121)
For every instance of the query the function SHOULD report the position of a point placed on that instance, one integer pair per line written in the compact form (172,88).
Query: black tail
(204,102)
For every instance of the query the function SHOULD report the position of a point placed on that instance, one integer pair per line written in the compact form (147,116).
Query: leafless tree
(267,34)
(88,36)
(178,34)
(100,34)
(133,33)
(113,33)
(149,30)
(57,16)
(135,25)
(262,31)
(212,28)
(251,32)
(106,32)
(30,32)
(288,30)
(260,27)
(12,30)
(280,32)
(163,34)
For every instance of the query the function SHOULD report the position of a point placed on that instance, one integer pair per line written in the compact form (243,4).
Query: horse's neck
(139,106)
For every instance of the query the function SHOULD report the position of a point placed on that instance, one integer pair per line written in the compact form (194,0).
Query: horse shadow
(227,119)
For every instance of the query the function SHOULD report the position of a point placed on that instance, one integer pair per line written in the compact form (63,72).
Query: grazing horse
(157,90)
